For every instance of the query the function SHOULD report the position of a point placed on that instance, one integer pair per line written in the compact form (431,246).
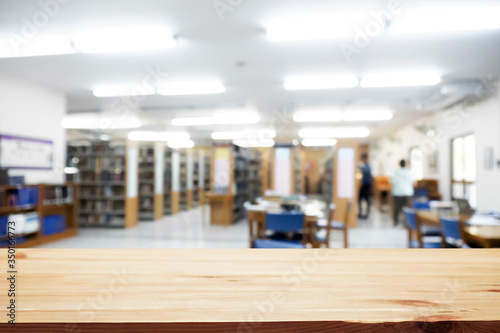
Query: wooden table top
(247,290)
(484,231)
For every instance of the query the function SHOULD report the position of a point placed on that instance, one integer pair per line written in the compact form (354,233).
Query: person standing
(366,186)
(402,189)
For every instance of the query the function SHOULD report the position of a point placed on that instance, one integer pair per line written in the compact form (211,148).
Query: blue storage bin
(33,195)
(53,224)
(23,196)
(3,225)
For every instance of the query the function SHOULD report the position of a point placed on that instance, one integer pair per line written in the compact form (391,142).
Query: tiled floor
(186,230)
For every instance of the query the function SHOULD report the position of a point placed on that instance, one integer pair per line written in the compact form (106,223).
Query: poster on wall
(282,171)
(222,171)
(345,173)
(25,153)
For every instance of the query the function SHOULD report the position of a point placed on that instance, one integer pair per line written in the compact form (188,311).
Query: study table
(481,230)
(313,211)
(250,290)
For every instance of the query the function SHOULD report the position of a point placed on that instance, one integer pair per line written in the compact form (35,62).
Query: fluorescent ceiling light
(157,136)
(350,132)
(191,88)
(316,132)
(368,114)
(334,132)
(318,115)
(177,144)
(38,46)
(319,142)
(257,134)
(433,19)
(236,117)
(338,25)
(254,143)
(138,90)
(100,121)
(193,121)
(226,135)
(122,39)
(403,79)
(323,82)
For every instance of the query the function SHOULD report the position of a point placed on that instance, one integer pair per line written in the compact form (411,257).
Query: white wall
(30,110)
(481,119)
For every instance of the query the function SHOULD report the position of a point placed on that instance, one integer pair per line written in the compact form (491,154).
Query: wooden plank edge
(258,326)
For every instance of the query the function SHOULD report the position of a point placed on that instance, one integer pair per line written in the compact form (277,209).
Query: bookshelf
(146,181)
(175,182)
(42,213)
(190,175)
(197,178)
(235,179)
(327,181)
(183,175)
(297,171)
(167,181)
(107,172)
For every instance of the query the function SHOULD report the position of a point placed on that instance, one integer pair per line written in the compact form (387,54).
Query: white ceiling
(209,47)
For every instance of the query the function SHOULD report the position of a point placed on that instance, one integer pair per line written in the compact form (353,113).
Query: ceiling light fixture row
(374,80)
(333,114)
(164,89)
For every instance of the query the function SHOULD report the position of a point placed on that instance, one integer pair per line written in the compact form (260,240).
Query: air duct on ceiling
(451,94)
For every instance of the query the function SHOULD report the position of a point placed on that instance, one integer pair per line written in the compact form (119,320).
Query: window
(417,163)
(463,168)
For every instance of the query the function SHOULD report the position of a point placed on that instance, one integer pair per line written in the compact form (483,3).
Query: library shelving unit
(247,178)
(175,183)
(183,175)
(297,168)
(327,181)
(41,213)
(190,175)
(196,177)
(151,182)
(167,181)
(146,181)
(235,180)
(202,174)
(107,172)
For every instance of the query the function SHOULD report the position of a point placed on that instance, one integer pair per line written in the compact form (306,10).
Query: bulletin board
(25,153)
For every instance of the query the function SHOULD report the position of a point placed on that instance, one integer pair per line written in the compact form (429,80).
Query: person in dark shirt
(365,191)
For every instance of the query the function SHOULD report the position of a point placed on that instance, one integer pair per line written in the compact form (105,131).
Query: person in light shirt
(402,189)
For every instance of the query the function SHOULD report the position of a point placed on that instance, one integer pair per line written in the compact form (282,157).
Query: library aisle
(186,230)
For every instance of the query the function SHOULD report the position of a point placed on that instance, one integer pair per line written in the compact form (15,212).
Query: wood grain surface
(317,290)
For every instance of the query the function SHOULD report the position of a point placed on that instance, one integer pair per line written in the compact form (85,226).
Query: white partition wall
(282,171)
(176,181)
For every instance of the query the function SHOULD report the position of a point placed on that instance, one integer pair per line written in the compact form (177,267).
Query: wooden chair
(324,226)
(432,185)
(338,219)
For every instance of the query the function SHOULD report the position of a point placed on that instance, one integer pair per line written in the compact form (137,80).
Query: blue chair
(272,244)
(452,233)
(421,193)
(412,225)
(421,205)
(426,229)
(282,223)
